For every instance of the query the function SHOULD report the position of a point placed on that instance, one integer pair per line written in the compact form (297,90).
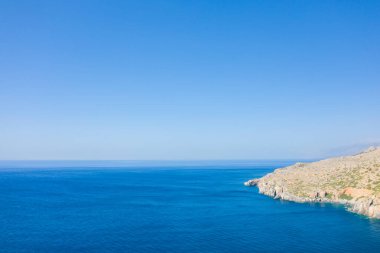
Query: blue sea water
(165,208)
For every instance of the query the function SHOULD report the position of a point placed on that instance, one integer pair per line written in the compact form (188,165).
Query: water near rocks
(193,208)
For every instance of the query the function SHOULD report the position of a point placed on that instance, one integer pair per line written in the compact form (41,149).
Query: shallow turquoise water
(194,208)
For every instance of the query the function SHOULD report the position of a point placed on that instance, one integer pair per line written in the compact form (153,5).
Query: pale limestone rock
(351,180)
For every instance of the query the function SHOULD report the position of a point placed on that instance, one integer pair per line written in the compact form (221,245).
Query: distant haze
(162,80)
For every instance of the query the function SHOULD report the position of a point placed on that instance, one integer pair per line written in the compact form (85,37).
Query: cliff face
(351,180)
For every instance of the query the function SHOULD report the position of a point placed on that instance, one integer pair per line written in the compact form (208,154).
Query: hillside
(350,180)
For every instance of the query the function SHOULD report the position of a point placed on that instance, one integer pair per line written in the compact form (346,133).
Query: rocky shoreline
(353,181)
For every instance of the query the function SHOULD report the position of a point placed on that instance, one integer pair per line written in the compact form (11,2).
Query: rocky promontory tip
(351,180)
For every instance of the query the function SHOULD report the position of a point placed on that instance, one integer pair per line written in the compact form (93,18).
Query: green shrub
(345,196)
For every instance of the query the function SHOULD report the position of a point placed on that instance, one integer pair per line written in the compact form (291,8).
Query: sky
(188,80)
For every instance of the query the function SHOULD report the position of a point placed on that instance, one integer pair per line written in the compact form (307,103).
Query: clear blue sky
(188,79)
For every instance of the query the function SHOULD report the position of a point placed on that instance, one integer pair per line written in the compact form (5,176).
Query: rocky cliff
(352,180)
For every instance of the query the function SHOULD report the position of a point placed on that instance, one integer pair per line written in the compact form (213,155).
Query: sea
(178,207)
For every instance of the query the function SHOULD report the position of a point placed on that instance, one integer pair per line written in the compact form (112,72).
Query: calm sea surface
(165,208)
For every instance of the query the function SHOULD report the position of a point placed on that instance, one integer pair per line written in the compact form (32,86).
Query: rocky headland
(351,180)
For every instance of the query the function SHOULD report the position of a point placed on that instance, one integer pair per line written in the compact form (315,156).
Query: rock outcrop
(352,180)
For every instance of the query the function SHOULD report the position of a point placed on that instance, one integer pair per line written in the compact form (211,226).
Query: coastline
(329,181)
